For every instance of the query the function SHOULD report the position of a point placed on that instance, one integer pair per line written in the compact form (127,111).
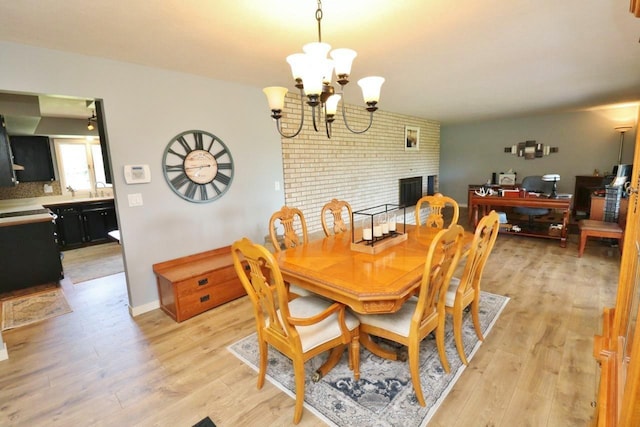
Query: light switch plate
(135,199)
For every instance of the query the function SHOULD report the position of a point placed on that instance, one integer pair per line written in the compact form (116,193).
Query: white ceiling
(448,60)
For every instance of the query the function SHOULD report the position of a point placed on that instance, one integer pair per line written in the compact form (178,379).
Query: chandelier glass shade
(312,72)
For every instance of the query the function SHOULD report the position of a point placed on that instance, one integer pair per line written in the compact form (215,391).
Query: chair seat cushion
(450,298)
(399,322)
(326,330)
(594,225)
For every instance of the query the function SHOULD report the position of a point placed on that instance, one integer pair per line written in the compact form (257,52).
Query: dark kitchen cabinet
(7,174)
(85,223)
(30,255)
(34,154)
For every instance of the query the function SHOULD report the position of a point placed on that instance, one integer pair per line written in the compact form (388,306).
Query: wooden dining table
(367,283)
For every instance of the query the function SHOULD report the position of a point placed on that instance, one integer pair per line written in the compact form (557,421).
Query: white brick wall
(363,169)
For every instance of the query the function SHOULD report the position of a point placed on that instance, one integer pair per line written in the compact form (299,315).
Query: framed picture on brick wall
(411,138)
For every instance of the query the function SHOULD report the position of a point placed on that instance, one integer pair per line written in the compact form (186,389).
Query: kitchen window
(80,165)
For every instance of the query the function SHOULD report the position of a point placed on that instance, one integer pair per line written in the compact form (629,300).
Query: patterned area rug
(92,262)
(32,308)
(384,395)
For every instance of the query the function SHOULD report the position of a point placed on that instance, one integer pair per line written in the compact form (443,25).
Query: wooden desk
(489,202)
(378,283)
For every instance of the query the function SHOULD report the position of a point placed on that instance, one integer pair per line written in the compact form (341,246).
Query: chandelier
(312,72)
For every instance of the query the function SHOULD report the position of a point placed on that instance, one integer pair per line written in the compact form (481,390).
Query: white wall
(144,108)
(586,140)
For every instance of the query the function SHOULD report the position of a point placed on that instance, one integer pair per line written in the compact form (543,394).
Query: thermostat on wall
(137,174)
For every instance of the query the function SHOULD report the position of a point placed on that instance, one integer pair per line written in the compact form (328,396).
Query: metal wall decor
(530,149)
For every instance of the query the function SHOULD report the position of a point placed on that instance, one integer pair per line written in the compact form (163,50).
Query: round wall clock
(197,166)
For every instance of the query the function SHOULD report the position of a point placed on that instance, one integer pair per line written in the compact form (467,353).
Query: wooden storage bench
(193,284)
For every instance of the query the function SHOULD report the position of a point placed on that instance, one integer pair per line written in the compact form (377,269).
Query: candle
(392,224)
(366,234)
(385,228)
(377,231)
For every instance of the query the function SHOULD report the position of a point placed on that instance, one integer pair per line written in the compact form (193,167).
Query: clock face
(197,166)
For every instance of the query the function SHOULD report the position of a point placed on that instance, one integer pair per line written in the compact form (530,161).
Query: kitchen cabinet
(84,223)
(30,255)
(34,154)
(7,174)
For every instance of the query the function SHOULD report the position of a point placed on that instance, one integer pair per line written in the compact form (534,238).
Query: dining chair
(336,207)
(465,291)
(436,205)
(292,221)
(299,329)
(418,317)
(289,219)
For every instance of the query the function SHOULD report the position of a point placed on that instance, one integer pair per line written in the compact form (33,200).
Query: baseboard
(145,308)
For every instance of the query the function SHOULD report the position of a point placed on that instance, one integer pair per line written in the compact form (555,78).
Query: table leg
(334,357)
(564,232)
(365,340)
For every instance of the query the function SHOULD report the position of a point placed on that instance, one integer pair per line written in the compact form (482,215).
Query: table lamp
(555,178)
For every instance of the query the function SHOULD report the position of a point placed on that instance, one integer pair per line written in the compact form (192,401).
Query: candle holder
(378,227)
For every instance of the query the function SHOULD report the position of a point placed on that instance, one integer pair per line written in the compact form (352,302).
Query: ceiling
(452,61)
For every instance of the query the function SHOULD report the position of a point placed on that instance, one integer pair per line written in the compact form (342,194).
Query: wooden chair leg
(583,243)
(298,371)
(440,345)
(457,333)
(475,313)
(262,372)
(414,368)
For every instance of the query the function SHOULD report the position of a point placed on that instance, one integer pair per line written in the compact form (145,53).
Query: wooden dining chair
(436,205)
(294,226)
(295,234)
(336,208)
(418,317)
(465,291)
(300,329)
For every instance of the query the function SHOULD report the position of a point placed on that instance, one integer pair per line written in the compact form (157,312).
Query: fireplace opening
(410,190)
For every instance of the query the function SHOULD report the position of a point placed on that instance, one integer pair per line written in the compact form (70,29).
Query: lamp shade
(298,63)
(551,177)
(317,49)
(371,88)
(343,59)
(332,104)
(275,96)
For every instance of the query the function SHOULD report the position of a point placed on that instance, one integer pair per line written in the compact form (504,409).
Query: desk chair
(418,317)
(436,204)
(465,291)
(300,329)
(534,184)
(335,207)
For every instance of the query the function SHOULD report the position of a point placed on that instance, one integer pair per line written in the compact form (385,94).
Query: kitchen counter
(30,210)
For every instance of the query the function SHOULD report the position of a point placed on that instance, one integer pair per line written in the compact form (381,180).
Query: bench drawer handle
(204,298)
(202,282)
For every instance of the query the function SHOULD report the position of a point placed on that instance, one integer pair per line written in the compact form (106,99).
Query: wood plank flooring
(98,366)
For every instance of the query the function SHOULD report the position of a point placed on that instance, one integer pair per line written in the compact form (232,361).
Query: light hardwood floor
(98,366)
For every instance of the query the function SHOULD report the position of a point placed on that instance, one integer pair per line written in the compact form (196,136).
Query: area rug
(81,265)
(384,395)
(29,309)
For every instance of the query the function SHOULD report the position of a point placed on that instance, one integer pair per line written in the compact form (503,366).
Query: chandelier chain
(319,19)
